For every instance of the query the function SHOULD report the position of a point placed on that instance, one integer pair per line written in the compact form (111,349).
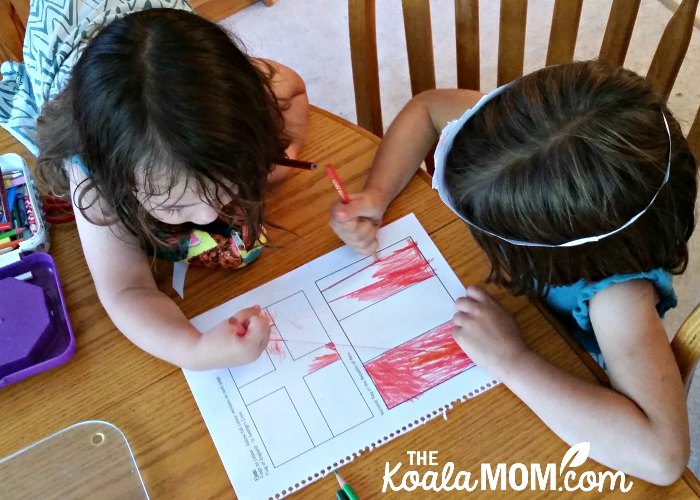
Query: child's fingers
(243,316)
(462,321)
(358,207)
(368,247)
(467,305)
(258,331)
(477,293)
(364,231)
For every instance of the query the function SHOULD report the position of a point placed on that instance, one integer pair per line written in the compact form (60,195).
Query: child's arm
(404,147)
(290,92)
(638,426)
(149,318)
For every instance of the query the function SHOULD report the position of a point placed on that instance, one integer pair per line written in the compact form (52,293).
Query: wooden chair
(511,47)
(686,346)
(13,22)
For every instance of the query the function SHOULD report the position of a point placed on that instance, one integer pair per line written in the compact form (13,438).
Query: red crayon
(333,176)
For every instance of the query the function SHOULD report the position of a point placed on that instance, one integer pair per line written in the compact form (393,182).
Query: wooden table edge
(355,128)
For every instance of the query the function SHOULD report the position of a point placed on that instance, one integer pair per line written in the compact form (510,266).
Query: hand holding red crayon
(357,218)
(237,340)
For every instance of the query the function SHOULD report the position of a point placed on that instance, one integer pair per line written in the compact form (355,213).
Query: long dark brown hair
(160,96)
(567,152)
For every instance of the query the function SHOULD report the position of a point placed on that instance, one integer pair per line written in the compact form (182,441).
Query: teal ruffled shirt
(573,300)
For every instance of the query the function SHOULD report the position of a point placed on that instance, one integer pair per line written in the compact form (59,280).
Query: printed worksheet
(361,351)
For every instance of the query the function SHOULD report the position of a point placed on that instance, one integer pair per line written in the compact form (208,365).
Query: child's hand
(357,222)
(236,341)
(486,332)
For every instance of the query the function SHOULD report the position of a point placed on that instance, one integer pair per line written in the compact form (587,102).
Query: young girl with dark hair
(164,137)
(577,182)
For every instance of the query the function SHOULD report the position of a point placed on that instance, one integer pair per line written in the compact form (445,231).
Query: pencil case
(35,333)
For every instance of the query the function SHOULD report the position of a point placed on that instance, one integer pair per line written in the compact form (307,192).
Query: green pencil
(346,487)
(10,234)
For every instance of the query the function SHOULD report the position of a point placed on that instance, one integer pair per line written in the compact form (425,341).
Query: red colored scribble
(324,359)
(403,268)
(274,348)
(410,369)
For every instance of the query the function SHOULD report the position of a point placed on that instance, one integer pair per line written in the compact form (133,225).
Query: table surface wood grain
(149,400)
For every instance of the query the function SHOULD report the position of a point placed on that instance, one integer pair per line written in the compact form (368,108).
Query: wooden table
(110,379)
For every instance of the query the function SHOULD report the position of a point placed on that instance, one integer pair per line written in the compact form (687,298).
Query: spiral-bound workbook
(361,351)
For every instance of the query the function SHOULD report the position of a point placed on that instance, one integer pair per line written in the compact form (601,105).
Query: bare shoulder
(446,105)
(631,334)
(285,82)
(85,201)
(638,296)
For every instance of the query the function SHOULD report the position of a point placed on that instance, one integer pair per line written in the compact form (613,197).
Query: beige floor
(311,37)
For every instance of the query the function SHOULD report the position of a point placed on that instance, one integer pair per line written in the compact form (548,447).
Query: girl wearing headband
(578,184)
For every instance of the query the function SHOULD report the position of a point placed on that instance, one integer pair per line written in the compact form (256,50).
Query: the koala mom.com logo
(502,476)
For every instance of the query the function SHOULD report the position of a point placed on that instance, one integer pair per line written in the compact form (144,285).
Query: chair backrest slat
(365,66)
(511,40)
(467,34)
(12,25)
(565,20)
(618,31)
(22,9)
(562,36)
(694,136)
(686,346)
(419,44)
(671,50)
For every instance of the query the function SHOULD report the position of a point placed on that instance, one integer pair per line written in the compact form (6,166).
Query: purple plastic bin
(35,334)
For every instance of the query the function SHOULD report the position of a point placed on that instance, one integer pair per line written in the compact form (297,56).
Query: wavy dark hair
(571,151)
(160,96)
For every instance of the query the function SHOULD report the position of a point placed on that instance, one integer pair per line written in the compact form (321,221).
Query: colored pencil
(346,487)
(14,232)
(288,162)
(11,244)
(333,176)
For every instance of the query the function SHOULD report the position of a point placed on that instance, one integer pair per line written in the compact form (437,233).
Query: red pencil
(288,162)
(333,176)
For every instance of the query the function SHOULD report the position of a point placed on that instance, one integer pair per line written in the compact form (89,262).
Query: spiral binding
(442,410)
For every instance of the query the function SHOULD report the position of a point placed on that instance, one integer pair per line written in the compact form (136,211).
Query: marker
(333,176)
(345,487)
(288,162)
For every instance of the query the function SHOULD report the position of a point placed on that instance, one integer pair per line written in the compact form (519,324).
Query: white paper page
(364,350)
